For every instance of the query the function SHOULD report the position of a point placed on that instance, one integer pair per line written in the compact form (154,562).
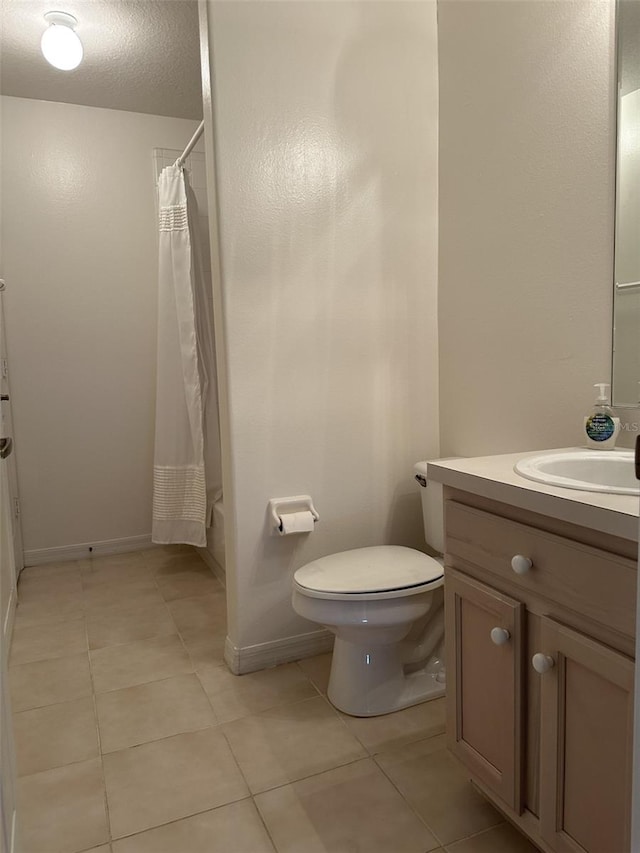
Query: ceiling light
(60,45)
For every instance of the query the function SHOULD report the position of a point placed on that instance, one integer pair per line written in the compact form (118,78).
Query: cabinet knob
(542,663)
(520,564)
(500,636)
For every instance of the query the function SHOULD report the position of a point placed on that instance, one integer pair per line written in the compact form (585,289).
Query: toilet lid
(377,569)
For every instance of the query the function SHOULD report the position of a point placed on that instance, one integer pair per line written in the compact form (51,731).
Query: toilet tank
(432,508)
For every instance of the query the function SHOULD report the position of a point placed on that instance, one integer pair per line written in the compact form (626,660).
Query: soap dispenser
(601,426)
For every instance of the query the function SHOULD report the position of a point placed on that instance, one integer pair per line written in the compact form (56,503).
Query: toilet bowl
(384,605)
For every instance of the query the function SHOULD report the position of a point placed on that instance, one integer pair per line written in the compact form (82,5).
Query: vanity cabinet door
(484,671)
(585,742)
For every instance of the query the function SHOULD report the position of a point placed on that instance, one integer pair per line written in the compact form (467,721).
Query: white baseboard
(213,564)
(87,549)
(265,655)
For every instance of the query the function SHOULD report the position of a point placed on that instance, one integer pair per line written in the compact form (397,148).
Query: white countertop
(494,477)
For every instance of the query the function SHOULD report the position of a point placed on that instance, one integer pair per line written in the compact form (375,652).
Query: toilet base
(367,681)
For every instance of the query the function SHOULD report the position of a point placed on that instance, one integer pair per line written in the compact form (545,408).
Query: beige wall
(80,259)
(327,175)
(526,220)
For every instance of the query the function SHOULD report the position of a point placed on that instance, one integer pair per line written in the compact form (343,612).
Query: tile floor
(133,737)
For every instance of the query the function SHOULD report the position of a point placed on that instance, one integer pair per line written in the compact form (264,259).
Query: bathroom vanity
(540,592)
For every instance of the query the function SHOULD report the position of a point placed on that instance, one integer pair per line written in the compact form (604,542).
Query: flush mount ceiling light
(60,45)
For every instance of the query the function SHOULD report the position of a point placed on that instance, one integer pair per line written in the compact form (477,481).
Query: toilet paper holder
(282,506)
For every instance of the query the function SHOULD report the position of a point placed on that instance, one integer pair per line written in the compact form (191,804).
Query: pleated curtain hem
(176,532)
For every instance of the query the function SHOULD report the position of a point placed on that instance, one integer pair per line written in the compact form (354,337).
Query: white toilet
(385,606)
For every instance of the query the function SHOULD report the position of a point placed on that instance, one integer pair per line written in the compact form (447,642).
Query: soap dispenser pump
(601,426)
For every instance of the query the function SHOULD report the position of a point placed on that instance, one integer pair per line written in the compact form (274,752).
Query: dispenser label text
(600,427)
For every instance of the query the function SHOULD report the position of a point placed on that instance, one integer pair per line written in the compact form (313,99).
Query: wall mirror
(626,298)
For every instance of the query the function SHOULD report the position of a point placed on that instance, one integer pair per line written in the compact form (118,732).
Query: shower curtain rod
(190,144)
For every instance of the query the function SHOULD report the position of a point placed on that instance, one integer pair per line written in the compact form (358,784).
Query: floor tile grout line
(340,716)
(97,613)
(422,819)
(186,648)
(177,820)
(101,757)
(161,739)
(59,767)
(165,604)
(275,707)
(135,642)
(142,683)
(371,751)
(310,680)
(257,712)
(339,766)
(15,711)
(252,797)
(49,570)
(184,643)
(14,664)
(409,741)
(484,831)
(131,642)
(178,633)
(84,612)
(233,754)
(166,607)
(33,595)
(230,746)
(264,824)
(213,710)
(445,846)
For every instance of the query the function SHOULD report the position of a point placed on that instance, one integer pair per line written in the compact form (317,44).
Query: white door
(8,431)
(8,593)
(8,841)
(635,810)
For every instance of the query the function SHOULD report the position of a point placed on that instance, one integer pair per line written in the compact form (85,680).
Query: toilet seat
(381,571)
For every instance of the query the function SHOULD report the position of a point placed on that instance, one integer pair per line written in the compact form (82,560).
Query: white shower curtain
(186,401)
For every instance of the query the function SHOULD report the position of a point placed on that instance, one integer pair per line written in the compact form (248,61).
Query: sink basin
(608,471)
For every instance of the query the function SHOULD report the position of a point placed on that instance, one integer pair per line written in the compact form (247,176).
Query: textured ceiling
(139,55)
(144,55)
